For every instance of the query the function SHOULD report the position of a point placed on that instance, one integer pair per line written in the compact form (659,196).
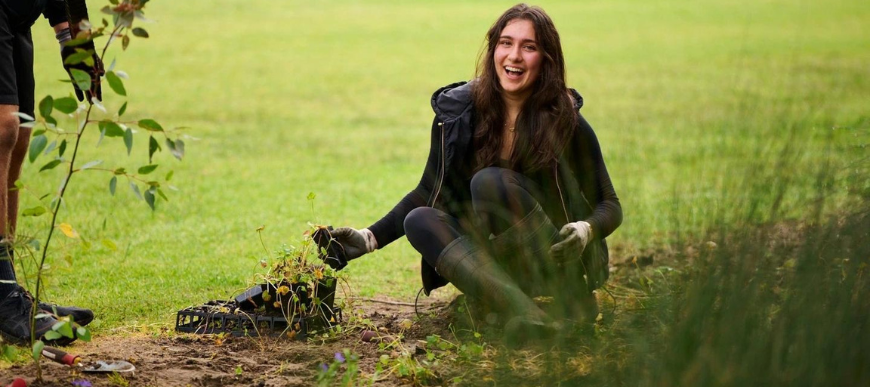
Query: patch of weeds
(346,365)
(116,379)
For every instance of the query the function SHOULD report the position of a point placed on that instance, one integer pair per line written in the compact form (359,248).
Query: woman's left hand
(575,237)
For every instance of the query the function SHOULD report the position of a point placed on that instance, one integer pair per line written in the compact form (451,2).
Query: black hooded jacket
(577,188)
(22,13)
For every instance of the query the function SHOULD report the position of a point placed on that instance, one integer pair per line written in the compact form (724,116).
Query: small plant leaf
(153,146)
(135,189)
(52,335)
(81,78)
(64,328)
(122,110)
(83,334)
(149,124)
(112,129)
(50,165)
(177,148)
(79,57)
(169,175)
(37,144)
(68,230)
(67,104)
(128,140)
(113,184)
(37,349)
(50,148)
(34,211)
(149,198)
(140,32)
(144,170)
(91,164)
(61,148)
(116,83)
(46,106)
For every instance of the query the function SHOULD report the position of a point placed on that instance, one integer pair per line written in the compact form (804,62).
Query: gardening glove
(355,244)
(76,57)
(575,237)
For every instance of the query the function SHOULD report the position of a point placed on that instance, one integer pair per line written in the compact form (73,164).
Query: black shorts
(17,86)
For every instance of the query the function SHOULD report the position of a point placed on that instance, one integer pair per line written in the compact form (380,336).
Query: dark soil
(210,360)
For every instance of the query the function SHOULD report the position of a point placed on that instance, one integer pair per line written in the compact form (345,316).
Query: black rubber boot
(477,275)
(524,251)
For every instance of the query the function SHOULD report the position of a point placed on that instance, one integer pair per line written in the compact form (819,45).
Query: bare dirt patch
(209,360)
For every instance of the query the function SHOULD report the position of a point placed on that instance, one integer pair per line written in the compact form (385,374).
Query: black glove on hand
(344,244)
(92,65)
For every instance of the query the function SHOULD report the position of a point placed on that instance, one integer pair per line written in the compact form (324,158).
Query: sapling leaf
(125,41)
(111,128)
(68,230)
(115,83)
(37,144)
(50,121)
(50,147)
(120,171)
(34,211)
(28,124)
(67,105)
(135,189)
(64,328)
(108,10)
(24,116)
(61,148)
(177,149)
(9,353)
(162,195)
(128,140)
(169,175)
(83,334)
(37,349)
(52,335)
(50,165)
(79,57)
(113,183)
(149,198)
(91,165)
(153,146)
(46,106)
(34,244)
(149,124)
(144,170)
(37,132)
(81,78)
(122,110)
(140,32)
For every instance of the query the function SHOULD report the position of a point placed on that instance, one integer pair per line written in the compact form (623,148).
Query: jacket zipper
(440,181)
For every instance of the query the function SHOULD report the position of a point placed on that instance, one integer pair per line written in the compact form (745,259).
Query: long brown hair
(547,118)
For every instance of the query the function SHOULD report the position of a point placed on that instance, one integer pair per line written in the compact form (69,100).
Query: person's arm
(391,226)
(588,165)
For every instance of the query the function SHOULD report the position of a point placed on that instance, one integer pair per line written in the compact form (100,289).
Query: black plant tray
(226,317)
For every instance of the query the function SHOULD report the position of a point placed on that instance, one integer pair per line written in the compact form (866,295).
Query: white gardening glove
(575,237)
(355,242)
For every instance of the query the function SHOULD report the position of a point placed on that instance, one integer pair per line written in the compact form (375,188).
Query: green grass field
(692,103)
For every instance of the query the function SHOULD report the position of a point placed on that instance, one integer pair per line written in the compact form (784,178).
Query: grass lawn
(693,103)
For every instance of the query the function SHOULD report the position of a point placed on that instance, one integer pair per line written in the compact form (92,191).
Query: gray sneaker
(15,321)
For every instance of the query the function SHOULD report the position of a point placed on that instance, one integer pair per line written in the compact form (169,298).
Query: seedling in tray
(296,296)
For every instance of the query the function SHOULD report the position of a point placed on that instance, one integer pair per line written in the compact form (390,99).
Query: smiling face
(517,59)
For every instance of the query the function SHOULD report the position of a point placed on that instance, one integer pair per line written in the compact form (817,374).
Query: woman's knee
(419,222)
(489,183)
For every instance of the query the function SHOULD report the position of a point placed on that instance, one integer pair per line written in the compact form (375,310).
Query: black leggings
(500,198)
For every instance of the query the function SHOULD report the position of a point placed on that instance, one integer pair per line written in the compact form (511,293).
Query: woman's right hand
(355,243)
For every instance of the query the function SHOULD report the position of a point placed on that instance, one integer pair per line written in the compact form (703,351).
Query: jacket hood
(454,99)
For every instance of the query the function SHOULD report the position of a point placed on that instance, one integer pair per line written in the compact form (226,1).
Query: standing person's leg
(23,55)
